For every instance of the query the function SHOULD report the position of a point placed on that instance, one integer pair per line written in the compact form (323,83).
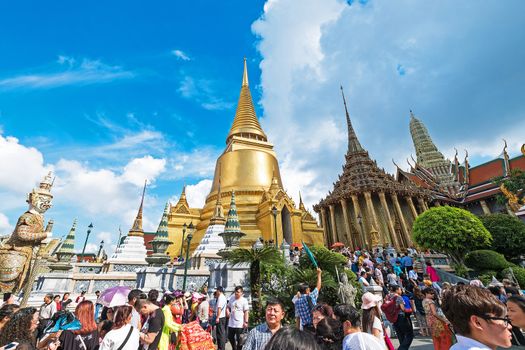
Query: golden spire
(218,213)
(245,123)
(182,199)
(136,229)
(301,204)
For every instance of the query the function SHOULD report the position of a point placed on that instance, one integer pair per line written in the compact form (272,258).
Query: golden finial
(245,74)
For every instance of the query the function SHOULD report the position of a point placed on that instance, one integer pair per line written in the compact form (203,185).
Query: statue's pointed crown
(245,123)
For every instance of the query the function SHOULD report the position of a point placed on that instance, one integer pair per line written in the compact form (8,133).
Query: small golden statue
(374,237)
(17,252)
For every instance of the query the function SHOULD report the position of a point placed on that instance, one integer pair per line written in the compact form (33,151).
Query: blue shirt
(258,337)
(302,310)
(406,261)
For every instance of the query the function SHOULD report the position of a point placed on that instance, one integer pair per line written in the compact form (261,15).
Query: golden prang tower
(249,167)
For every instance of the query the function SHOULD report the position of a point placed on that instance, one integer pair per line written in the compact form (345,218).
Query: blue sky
(109,94)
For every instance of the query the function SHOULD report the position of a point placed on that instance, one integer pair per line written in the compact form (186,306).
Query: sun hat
(178,293)
(369,300)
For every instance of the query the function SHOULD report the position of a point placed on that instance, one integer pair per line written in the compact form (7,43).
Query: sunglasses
(506,320)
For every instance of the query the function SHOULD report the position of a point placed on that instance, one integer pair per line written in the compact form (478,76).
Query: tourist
(213,315)
(321,311)
(220,322)
(123,335)
(407,263)
(363,281)
(151,331)
(329,334)
(305,304)
(153,296)
(478,318)
(203,311)
(433,275)
(354,338)
(371,319)
(98,305)
(499,292)
(516,313)
(378,275)
(47,310)
(8,298)
(391,278)
(86,338)
(56,300)
(133,298)
(178,306)
(436,321)
(419,310)
(104,327)
(402,325)
(21,328)
(261,334)
(291,338)
(511,288)
(65,301)
(6,312)
(239,311)
(81,297)
(170,326)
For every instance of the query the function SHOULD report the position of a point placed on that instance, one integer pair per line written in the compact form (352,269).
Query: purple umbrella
(114,296)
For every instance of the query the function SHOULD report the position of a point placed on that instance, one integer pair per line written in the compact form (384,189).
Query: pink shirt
(431,272)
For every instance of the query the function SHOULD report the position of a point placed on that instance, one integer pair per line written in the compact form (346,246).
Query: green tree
(515,183)
(508,234)
(450,230)
(255,258)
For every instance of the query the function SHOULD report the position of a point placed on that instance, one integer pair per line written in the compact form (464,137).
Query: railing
(449,277)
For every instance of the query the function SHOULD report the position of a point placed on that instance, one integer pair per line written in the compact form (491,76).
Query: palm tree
(254,257)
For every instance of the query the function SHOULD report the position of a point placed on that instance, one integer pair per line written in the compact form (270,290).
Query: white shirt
(465,343)
(362,341)
(47,310)
(135,318)
(221,303)
(115,338)
(237,309)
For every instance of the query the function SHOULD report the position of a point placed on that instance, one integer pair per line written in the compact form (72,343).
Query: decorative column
(391,226)
(404,227)
(485,207)
(332,222)
(437,204)
(422,203)
(347,223)
(325,226)
(357,211)
(371,210)
(411,206)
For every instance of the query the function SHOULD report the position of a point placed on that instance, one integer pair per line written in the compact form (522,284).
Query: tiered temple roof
(361,174)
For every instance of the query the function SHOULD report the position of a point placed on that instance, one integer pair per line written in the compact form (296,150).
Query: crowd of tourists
(407,296)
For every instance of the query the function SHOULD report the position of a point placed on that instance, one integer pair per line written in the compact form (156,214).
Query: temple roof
(361,174)
(68,245)
(162,231)
(245,123)
(232,221)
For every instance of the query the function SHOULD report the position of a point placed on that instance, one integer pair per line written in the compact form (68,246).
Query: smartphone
(11,345)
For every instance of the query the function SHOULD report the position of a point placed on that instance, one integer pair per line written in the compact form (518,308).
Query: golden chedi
(249,167)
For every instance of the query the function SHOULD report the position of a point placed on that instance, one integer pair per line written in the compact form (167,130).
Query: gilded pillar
(437,204)
(404,227)
(332,222)
(347,223)
(422,203)
(485,207)
(391,226)
(325,226)
(412,206)
(357,212)
(373,216)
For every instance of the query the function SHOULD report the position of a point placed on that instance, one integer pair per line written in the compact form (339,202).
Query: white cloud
(196,194)
(23,166)
(204,92)
(465,90)
(145,168)
(181,55)
(84,73)
(5,226)
(199,162)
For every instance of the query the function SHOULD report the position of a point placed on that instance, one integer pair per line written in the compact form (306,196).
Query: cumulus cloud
(5,226)
(196,194)
(390,58)
(84,72)
(181,55)
(145,168)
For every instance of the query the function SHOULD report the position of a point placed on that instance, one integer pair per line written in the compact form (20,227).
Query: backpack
(390,309)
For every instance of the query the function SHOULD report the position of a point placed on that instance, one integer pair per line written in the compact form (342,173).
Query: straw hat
(370,300)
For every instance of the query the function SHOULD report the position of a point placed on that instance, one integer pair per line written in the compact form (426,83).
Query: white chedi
(211,243)
(132,250)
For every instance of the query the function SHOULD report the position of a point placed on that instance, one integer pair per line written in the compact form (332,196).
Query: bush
(486,277)
(484,260)
(508,233)
(519,273)
(450,230)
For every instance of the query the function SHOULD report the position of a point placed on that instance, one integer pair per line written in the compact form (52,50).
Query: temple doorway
(286,222)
